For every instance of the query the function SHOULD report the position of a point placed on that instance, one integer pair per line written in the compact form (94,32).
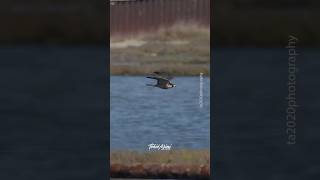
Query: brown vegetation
(183,49)
(160,171)
(194,164)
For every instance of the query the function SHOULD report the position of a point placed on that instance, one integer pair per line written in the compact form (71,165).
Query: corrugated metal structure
(133,16)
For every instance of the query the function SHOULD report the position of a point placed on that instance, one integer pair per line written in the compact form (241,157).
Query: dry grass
(173,157)
(180,50)
(175,164)
(160,171)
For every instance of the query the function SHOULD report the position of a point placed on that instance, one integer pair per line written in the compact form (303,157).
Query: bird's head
(173,85)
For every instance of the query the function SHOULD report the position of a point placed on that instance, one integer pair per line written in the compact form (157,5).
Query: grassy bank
(161,164)
(179,50)
(176,157)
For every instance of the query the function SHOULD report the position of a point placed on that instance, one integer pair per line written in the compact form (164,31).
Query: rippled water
(141,114)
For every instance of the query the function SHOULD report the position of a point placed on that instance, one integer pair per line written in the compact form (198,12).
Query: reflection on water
(141,115)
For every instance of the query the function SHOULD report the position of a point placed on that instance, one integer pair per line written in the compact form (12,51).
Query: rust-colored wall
(130,17)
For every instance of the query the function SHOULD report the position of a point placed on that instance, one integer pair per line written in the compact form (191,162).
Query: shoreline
(160,171)
(181,50)
(194,164)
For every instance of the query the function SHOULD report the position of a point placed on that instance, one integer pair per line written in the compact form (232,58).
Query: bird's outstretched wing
(163,75)
(161,81)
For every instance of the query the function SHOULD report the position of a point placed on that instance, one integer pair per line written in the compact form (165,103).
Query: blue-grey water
(141,115)
(53,109)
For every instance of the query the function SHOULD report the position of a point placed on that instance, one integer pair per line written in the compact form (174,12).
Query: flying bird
(163,80)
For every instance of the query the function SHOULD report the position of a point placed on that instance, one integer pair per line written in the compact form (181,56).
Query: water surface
(141,114)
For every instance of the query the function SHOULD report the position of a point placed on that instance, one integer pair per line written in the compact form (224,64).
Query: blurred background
(53,21)
(132,16)
(250,79)
(54,88)
(236,22)
(264,23)
(148,35)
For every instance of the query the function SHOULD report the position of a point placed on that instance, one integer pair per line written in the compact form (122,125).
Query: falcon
(163,80)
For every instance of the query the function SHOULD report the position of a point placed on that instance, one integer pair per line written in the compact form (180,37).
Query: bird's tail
(151,85)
